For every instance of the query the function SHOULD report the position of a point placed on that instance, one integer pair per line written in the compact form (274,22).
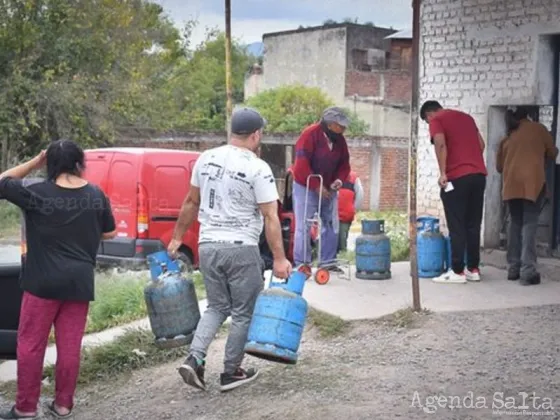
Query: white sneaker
(451,277)
(472,275)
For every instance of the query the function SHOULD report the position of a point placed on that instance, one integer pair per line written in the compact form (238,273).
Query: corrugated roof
(404,34)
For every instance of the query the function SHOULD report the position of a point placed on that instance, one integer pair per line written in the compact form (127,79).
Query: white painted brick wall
(475,54)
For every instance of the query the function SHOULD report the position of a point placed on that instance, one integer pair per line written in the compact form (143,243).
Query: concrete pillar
(375,177)
(289,155)
(492,223)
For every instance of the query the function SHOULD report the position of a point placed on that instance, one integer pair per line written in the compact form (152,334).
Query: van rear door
(170,187)
(98,164)
(122,192)
(97,167)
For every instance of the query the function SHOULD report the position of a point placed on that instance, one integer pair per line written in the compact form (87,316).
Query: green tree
(78,68)
(289,109)
(198,83)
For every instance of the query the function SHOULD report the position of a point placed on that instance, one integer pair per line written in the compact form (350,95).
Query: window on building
(360,60)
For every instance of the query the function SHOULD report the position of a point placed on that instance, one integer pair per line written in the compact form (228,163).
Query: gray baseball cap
(246,120)
(336,115)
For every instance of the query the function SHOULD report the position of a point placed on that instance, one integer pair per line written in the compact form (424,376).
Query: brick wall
(360,161)
(391,86)
(476,55)
(369,157)
(394,182)
(398,85)
(363,83)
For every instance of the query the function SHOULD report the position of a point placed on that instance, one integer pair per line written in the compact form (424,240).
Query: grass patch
(119,299)
(199,285)
(132,351)
(347,255)
(10,220)
(404,318)
(396,228)
(328,325)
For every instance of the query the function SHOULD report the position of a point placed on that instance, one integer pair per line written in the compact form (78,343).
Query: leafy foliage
(198,84)
(78,68)
(86,69)
(289,109)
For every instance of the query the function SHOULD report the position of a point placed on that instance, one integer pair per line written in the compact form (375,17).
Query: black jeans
(463,211)
(522,246)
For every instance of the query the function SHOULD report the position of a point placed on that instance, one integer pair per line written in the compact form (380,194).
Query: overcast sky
(251,18)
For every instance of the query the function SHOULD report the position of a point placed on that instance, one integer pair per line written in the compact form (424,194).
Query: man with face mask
(320,150)
(232,191)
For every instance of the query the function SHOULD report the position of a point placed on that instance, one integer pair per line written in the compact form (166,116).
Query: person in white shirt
(233,192)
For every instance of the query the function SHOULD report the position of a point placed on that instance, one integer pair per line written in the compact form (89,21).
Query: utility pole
(228,69)
(413,155)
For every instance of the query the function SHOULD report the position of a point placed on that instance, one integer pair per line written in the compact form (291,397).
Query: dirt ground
(374,371)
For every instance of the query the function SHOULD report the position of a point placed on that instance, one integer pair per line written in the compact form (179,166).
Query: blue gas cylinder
(172,309)
(430,245)
(159,262)
(373,252)
(278,321)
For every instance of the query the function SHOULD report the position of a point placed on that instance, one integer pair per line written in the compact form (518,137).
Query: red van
(146,188)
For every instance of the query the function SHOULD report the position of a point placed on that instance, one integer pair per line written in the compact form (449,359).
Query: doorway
(545,110)
(547,233)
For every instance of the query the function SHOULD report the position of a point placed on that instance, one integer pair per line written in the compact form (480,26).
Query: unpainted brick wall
(398,85)
(476,54)
(394,182)
(363,83)
(394,175)
(360,162)
(394,169)
(392,86)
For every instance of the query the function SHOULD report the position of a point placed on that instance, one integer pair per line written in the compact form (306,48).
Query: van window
(171,185)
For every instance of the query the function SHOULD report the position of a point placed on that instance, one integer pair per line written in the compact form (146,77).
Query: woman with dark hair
(65,219)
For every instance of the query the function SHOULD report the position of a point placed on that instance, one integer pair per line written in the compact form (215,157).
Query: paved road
(9,253)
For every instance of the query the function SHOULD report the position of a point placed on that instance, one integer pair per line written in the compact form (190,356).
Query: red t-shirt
(464,154)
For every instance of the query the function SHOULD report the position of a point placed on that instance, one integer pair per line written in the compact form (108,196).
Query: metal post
(228,68)
(414,153)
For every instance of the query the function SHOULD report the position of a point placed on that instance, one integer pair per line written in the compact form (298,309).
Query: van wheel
(185,256)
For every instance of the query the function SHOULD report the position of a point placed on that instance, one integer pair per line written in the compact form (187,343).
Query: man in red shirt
(320,150)
(459,150)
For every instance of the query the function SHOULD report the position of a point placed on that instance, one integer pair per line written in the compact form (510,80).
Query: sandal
(12,415)
(56,414)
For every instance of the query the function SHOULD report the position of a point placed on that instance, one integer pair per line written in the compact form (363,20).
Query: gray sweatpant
(233,279)
(522,247)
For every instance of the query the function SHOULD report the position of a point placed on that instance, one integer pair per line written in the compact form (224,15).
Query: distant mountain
(256,48)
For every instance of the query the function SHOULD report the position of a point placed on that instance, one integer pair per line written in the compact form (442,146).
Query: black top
(63,230)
